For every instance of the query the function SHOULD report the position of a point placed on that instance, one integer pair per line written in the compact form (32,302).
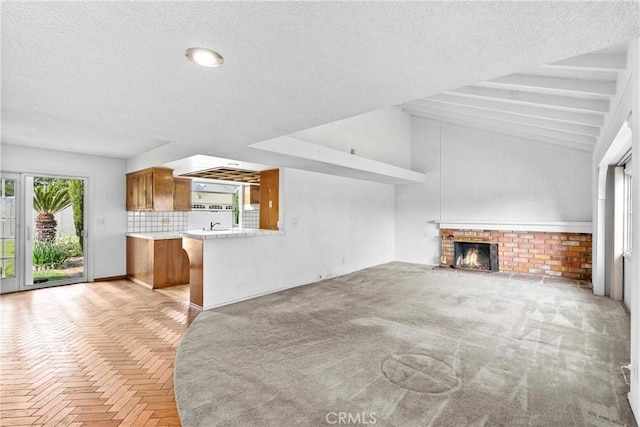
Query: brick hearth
(547,254)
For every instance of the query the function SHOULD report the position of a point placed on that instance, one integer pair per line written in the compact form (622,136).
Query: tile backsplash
(148,222)
(251,218)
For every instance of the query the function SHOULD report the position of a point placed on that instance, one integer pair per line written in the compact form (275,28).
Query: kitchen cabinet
(181,194)
(269,199)
(150,189)
(194,248)
(157,263)
(251,194)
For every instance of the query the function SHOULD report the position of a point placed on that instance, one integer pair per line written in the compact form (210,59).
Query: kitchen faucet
(213,224)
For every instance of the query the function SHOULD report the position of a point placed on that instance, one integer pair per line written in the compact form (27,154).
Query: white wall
(65,226)
(633,58)
(417,207)
(476,175)
(106,199)
(333,226)
(382,135)
(610,148)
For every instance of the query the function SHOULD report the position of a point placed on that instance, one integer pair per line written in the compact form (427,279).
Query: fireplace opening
(475,256)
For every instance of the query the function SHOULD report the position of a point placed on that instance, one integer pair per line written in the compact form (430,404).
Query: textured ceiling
(111,78)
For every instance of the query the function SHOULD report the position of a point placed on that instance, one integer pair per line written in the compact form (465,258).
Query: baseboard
(261,294)
(110,278)
(139,282)
(195,306)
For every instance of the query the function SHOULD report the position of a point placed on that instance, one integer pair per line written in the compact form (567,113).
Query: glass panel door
(8,243)
(55,237)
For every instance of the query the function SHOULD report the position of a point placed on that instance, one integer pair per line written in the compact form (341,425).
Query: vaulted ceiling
(564,103)
(110,78)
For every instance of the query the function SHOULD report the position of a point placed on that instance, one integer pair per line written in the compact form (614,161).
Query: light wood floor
(179,293)
(98,354)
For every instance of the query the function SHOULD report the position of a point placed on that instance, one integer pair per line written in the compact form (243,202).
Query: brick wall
(549,254)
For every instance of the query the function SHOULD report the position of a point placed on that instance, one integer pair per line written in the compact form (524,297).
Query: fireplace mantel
(540,226)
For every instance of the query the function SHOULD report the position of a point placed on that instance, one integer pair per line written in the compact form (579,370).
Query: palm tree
(48,200)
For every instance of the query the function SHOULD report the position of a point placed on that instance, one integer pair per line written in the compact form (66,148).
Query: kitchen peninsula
(196,257)
(218,271)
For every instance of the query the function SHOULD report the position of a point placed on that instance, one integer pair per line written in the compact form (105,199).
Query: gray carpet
(405,345)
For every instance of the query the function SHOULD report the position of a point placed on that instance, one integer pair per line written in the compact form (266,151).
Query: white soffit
(119,67)
(315,153)
(201,162)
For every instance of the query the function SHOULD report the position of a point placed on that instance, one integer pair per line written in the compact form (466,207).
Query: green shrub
(76,197)
(71,244)
(48,254)
(9,268)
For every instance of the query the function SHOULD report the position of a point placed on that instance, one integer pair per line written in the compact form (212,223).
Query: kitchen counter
(229,233)
(205,234)
(160,235)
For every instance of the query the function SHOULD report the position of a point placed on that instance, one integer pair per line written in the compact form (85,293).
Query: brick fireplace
(560,254)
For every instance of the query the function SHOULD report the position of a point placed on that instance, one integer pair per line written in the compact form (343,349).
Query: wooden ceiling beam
(510,117)
(562,103)
(554,85)
(593,62)
(461,103)
(531,132)
(227,174)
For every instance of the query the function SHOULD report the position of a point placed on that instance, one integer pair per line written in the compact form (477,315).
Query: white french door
(43,243)
(27,279)
(9,233)
(57,258)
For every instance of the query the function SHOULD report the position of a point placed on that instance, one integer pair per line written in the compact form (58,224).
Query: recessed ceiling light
(203,56)
(233,164)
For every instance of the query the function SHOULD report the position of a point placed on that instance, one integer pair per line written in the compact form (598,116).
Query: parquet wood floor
(92,354)
(179,292)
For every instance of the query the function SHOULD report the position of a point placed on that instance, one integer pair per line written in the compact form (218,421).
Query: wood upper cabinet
(146,201)
(269,199)
(251,194)
(181,194)
(132,192)
(150,190)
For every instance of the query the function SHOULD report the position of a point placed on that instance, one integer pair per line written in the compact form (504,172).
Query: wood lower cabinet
(157,263)
(194,248)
